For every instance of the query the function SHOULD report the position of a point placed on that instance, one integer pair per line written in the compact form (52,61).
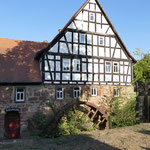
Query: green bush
(42,125)
(122,113)
(73,122)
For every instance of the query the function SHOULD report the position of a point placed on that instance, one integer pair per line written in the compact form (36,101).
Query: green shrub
(73,122)
(122,113)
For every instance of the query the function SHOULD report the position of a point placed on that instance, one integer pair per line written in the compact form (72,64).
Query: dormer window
(92,17)
(20,95)
(101,41)
(82,38)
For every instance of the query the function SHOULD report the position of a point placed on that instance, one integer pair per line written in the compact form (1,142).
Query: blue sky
(39,20)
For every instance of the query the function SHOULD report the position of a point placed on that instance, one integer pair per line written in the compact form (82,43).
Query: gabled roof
(17,63)
(52,43)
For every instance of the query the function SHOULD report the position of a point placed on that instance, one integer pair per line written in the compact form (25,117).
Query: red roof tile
(17,63)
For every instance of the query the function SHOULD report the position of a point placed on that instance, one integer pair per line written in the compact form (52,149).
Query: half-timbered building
(86,59)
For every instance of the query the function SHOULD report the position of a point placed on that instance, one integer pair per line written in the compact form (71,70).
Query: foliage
(142,69)
(123,112)
(75,121)
(42,125)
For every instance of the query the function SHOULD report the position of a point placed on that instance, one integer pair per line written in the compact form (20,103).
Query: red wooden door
(12,125)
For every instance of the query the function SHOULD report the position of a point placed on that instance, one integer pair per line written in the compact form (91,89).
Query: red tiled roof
(17,63)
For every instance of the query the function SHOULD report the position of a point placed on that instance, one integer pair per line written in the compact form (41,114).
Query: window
(59,93)
(82,38)
(76,65)
(116,68)
(101,41)
(116,92)
(108,67)
(20,95)
(66,64)
(92,17)
(94,92)
(76,92)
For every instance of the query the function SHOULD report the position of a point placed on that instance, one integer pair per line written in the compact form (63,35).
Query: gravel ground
(128,138)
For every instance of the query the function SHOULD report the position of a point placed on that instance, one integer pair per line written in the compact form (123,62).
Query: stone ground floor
(19,103)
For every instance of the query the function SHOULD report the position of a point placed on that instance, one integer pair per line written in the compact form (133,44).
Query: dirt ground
(129,138)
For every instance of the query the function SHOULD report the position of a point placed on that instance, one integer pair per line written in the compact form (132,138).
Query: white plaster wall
(54,48)
(57,76)
(51,63)
(101,51)
(101,68)
(95,51)
(76,76)
(57,65)
(89,67)
(65,76)
(116,78)
(108,77)
(75,48)
(85,15)
(84,77)
(47,76)
(82,50)
(69,36)
(107,52)
(75,37)
(92,27)
(90,77)
(95,68)
(46,66)
(63,48)
(101,77)
(89,50)
(84,67)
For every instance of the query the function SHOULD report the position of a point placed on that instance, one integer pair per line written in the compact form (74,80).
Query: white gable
(99,25)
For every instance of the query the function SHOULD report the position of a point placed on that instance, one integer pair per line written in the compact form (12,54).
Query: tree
(142,69)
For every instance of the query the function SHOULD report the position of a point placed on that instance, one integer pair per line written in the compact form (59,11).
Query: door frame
(11,110)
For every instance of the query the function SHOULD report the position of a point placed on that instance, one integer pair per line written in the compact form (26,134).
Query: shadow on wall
(17,61)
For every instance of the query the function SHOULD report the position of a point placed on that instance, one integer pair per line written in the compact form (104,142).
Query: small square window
(20,95)
(116,67)
(59,93)
(94,92)
(82,38)
(92,17)
(108,67)
(116,92)
(101,41)
(76,92)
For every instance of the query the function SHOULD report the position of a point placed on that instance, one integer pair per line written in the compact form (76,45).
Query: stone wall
(35,95)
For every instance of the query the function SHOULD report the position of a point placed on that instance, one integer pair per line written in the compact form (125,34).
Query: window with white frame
(108,67)
(94,92)
(82,38)
(116,67)
(76,92)
(59,93)
(66,64)
(92,17)
(116,92)
(101,40)
(76,65)
(20,95)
